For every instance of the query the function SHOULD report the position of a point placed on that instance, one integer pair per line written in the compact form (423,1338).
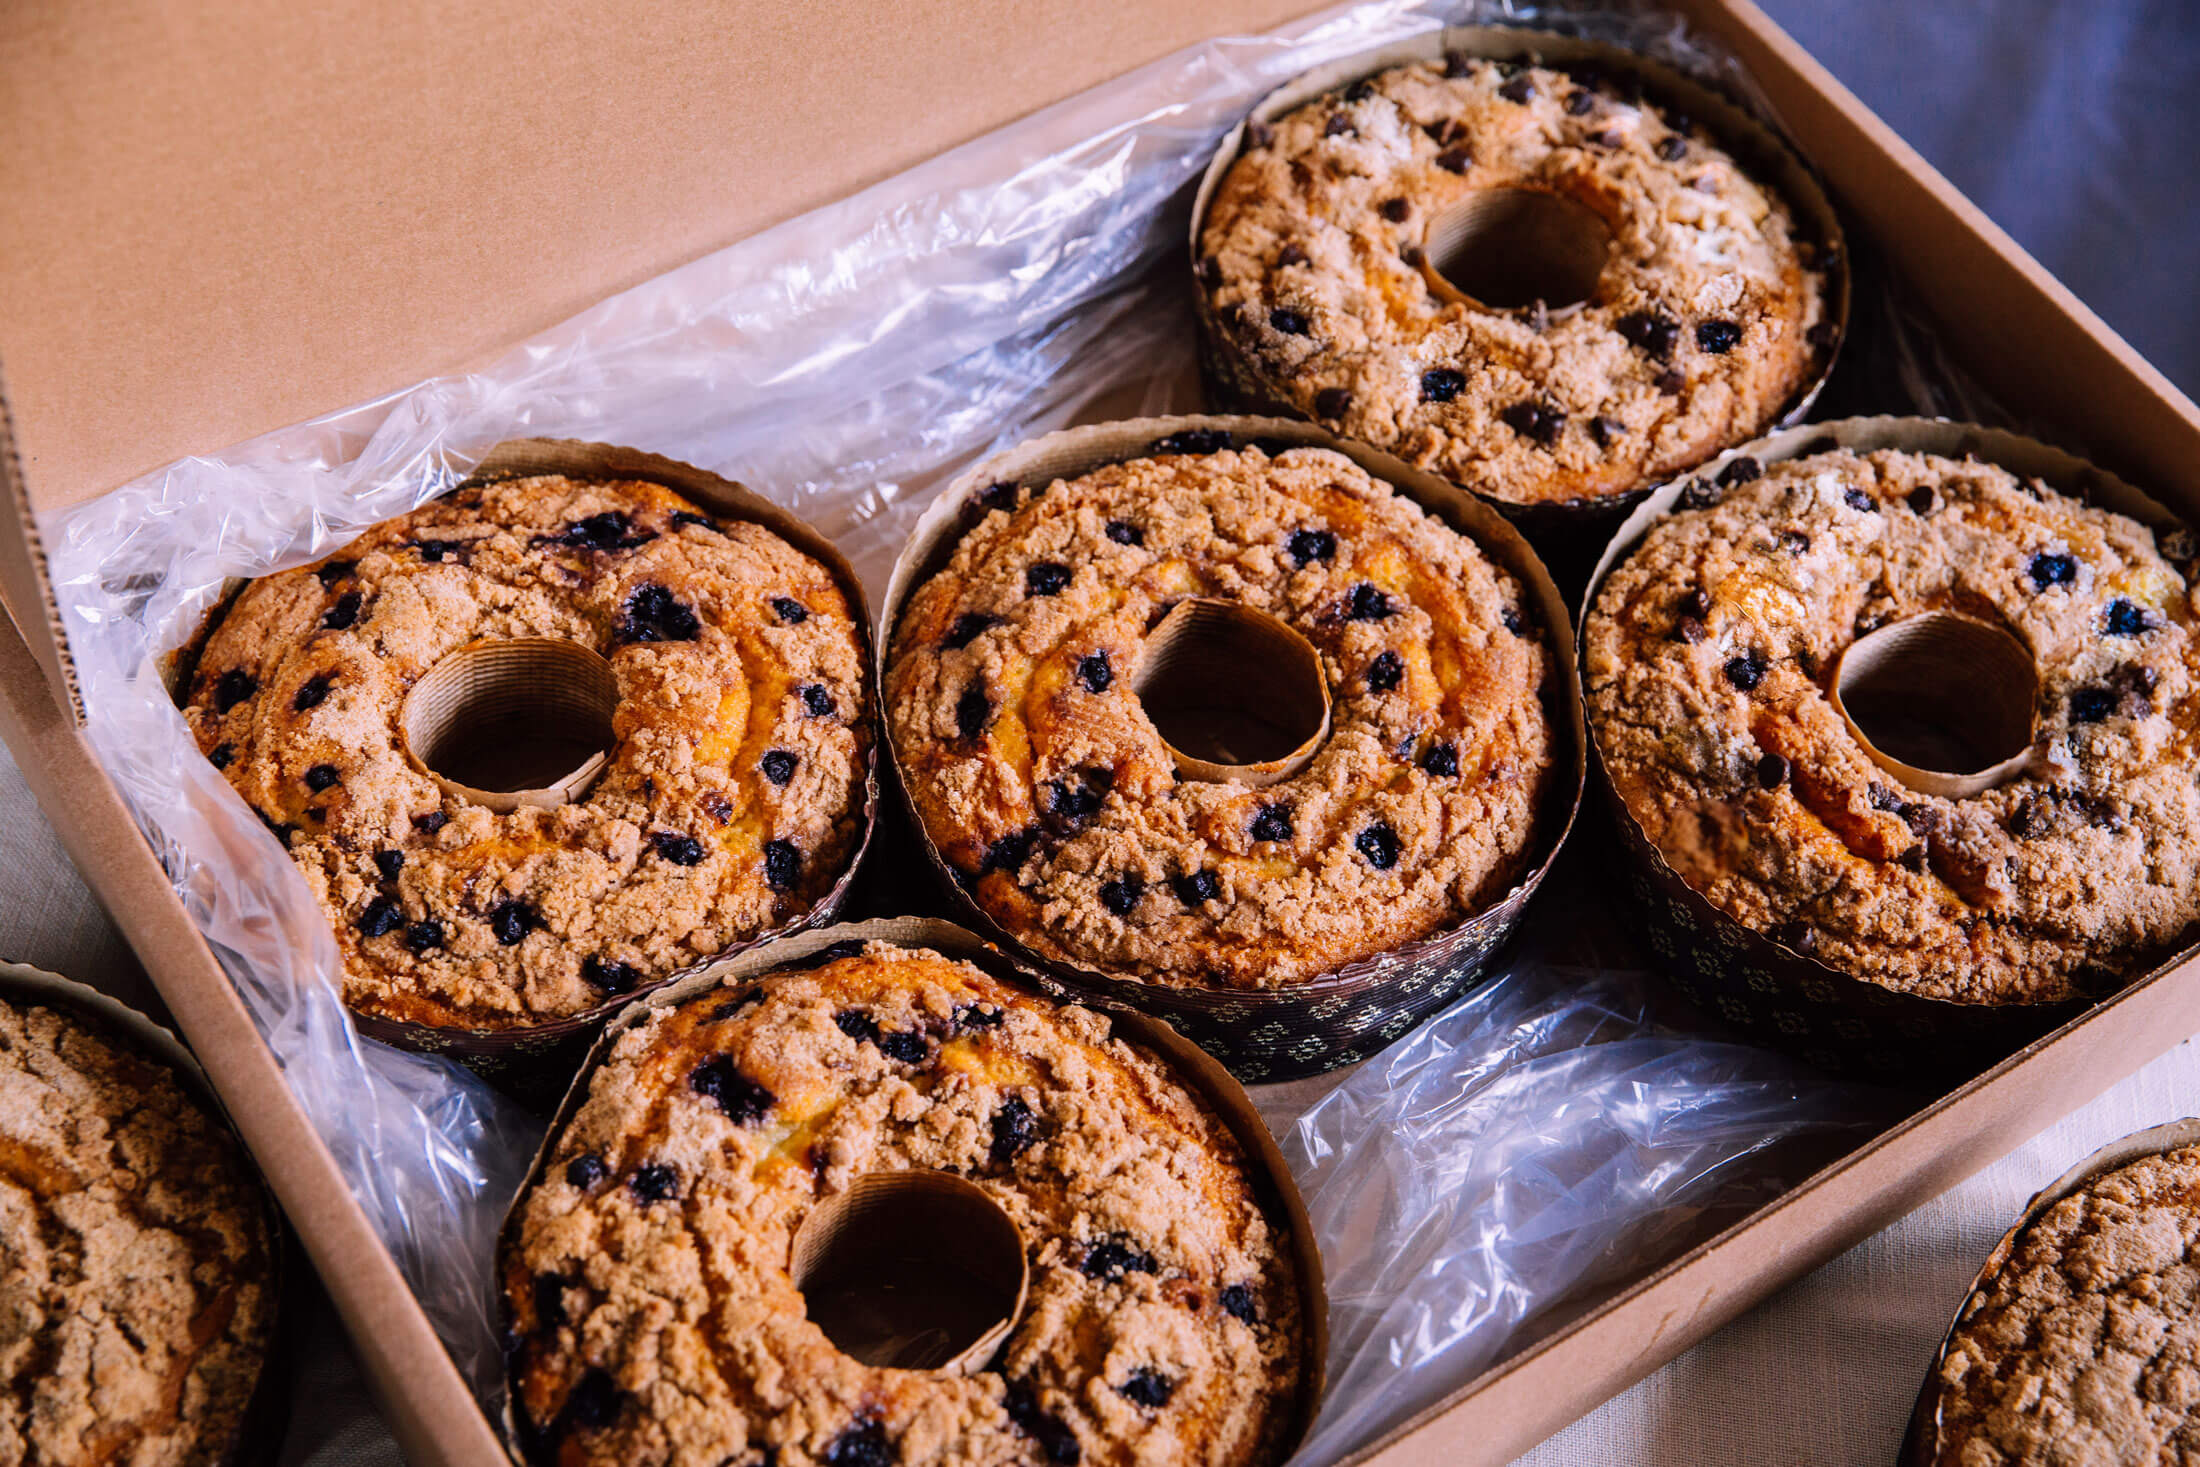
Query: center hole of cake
(525,716)
(1511,247)
(1941,692)
(1231,687)
(914,1270)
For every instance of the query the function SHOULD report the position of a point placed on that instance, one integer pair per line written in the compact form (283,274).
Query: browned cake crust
(730,805)
(136,1288)
(1698,334)
(2084,1346)
(1709,653)
(646,1277)
(1040,778)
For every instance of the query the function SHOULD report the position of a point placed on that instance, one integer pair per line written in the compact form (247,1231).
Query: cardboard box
(220,223)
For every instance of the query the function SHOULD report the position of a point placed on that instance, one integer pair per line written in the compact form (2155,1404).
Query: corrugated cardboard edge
(23,578)
(1274,1187)
(258,1439)
(1833,1018)
(522,1056)
(433,1415)
(1921,1445)
(1235,379)
(1415,978)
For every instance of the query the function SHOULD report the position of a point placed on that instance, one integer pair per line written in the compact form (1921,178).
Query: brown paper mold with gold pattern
(914,1270)
(921,1270)
(1521,249)
(507,723)
(1262,724)
(1945,704)
(513,722)
(1225,684)
(1930,1442)
(255,1439)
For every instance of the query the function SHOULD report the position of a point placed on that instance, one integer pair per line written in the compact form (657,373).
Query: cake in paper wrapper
(731,805)
(140,1277)
(1529,278)
(1319,1022)
(1711,650)
(2081,1341)
(1043,781)
(645,1275)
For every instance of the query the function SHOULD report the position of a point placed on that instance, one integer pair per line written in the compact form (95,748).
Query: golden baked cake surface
(1701,328)
(1042,780)
(2084,1346)
(137,1292)
(731,803)
(646,1276)
(1710,653)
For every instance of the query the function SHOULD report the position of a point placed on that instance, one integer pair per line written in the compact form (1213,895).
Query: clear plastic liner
(1544,1135)
(1556,1130)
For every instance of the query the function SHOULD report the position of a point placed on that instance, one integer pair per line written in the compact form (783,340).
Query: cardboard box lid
(225,219)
